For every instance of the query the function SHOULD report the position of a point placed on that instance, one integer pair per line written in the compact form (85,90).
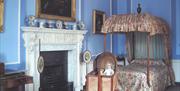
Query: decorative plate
(59,24)
(87,56)
(40,64)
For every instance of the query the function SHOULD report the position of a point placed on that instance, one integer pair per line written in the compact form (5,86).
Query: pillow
(145,61)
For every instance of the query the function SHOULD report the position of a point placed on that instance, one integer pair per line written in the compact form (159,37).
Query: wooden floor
(174,88)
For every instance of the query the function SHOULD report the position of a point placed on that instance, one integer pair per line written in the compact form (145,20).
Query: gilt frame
(71,15)
(98,20)
(1,14)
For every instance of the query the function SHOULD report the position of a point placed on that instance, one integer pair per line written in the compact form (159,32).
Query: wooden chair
(98,82)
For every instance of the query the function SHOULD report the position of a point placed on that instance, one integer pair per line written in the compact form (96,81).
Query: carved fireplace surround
(53,40)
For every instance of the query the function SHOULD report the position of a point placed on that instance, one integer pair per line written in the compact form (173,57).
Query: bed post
(129,57)
(148,53)
(104,41)
(167,58)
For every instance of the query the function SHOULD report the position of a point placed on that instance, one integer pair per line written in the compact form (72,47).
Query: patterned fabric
(135,22)
(152,62)
(134,77)
(156,45)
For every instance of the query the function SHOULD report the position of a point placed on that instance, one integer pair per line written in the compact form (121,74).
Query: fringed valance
(135,22)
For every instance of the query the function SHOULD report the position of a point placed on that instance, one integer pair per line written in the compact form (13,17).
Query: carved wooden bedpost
(167,58)
(148,54)
(128,48)
(104,42)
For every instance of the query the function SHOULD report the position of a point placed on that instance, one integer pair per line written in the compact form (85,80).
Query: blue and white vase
(51,23)
(42,23)
(31,21)
(81,25)
(59,24)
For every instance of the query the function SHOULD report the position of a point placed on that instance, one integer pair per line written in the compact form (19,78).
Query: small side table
(14,82)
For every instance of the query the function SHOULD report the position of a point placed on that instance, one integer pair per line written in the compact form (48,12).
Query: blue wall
(169,11)
(120,7)
(10,32)
(94,42)
(9,38)
(177,27)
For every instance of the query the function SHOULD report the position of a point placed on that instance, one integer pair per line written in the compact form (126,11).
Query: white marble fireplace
(53,40)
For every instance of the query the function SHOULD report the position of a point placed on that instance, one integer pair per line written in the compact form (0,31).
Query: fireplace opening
(55,74)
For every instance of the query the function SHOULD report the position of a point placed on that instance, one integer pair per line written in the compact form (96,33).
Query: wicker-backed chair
(104,59)
(96,81)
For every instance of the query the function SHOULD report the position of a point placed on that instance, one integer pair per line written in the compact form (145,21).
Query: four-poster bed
(147,72)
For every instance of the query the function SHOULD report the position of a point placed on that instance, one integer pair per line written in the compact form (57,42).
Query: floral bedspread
(134,77)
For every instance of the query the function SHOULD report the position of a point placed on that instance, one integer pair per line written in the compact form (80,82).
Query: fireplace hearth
(55,74)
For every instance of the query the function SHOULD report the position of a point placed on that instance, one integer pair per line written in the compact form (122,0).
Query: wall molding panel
(18,42)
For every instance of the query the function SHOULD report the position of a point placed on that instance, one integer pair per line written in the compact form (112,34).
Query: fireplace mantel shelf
(52,30)
(32,35)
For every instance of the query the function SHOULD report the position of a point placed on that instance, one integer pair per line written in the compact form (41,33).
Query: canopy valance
(135,22)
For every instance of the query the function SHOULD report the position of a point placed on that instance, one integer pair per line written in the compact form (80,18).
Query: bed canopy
(146,23)
(142,22)
(135,22)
